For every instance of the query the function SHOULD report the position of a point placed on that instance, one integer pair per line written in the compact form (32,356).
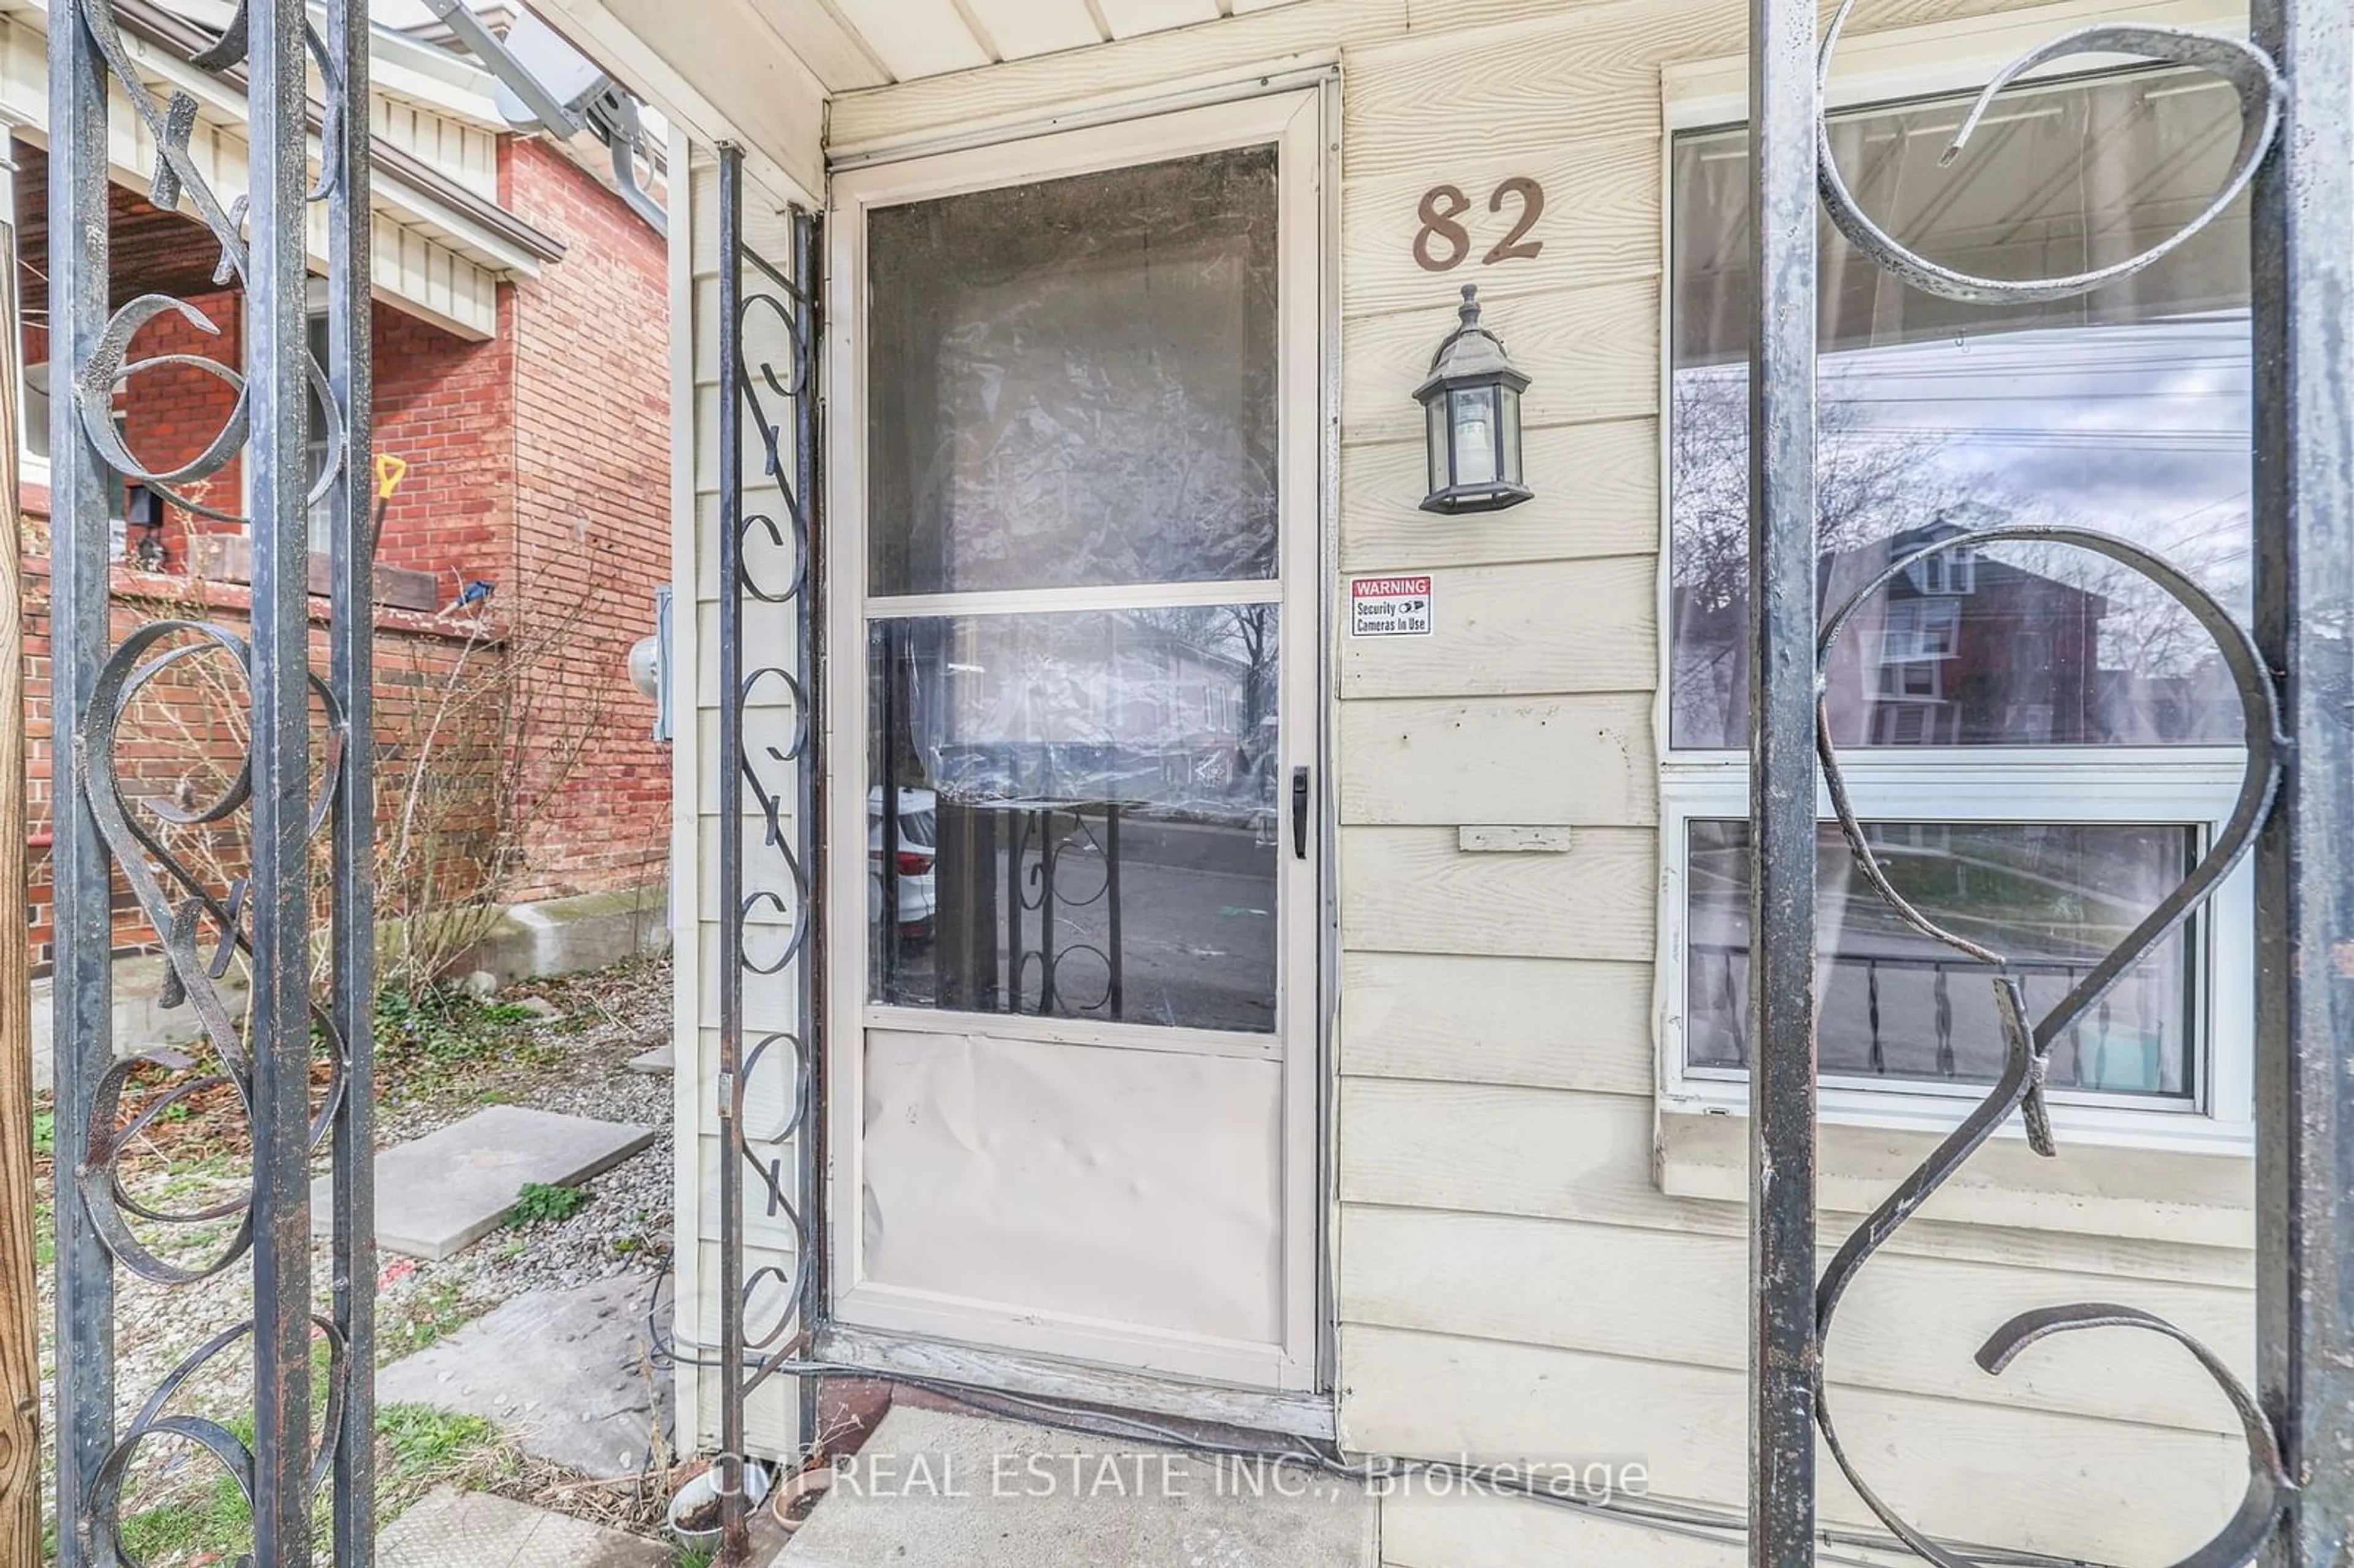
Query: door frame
(1298,122)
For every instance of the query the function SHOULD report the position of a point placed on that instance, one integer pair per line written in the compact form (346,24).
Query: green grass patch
(214,1524)
(417,1448)
(447,1027)
(540,1201)
(420,1441)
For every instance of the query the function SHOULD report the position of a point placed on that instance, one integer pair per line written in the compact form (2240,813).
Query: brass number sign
(1442,243)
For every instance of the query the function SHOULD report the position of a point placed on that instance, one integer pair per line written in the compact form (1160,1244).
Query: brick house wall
(591,431)
(538,462)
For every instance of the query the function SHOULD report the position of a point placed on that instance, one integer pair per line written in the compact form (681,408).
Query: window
(323,511)
(2042,743)
(33,412)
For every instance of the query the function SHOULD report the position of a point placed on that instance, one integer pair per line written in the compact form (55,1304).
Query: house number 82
(1441,244)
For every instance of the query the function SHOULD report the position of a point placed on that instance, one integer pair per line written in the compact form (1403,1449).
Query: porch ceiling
(852,44)
(150,252)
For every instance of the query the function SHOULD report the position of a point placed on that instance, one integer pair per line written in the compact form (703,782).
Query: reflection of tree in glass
(1867,485)
(2031,645)
(1241,638)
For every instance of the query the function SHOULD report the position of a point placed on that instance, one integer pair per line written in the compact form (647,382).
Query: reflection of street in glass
(1197,938)
(1896,1003)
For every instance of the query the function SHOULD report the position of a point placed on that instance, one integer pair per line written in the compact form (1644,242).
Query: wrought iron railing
(305,775)
(2295,80)
(781,783)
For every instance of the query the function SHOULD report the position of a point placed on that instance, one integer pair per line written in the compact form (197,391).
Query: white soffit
(854,44)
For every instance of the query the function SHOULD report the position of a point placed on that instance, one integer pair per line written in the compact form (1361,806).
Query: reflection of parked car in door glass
(918,898)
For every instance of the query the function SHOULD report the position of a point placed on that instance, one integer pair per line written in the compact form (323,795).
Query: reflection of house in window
(1965,650)
(1953,571)
(1917,636)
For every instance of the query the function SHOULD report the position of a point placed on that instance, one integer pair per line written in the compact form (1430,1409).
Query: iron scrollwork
(2028,1040)
(779,782)
(303,778)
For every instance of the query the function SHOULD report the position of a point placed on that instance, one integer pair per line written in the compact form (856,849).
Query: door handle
(1300,813)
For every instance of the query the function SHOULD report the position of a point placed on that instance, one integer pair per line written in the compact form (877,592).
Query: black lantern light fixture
(1471,410)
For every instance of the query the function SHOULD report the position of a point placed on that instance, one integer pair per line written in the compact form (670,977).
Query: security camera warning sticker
(1389,607)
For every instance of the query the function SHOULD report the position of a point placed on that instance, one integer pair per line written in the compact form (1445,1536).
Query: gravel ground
(571,1057)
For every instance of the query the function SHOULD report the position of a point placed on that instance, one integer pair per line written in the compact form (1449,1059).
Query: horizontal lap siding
(1511,1281)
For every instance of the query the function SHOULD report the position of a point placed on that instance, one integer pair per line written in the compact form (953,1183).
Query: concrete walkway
(437,1194)
(932,1488)
(451,1528)
(568,1374)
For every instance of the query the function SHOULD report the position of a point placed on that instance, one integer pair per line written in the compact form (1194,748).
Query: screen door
(1072,1065)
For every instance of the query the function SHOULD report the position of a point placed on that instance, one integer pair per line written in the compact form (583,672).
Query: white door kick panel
(1127,1186)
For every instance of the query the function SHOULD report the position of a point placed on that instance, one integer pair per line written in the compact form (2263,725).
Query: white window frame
(31,468)
(2191,786)
(314,314)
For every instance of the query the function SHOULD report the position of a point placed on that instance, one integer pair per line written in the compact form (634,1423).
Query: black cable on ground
(1692,1521)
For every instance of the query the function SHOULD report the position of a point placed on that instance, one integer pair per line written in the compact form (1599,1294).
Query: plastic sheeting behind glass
(1087,823)
(2126,410)
(1073,382)
(1896,1005)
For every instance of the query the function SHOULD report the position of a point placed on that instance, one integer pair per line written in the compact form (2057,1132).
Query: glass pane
(322,512)
(2053,899)
(1436,437)
(1509,424)
(1073,382)
(1474,435)
(1087,821)
(2126,410)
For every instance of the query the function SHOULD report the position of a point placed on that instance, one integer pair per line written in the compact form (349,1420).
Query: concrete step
(451,1528)
(934,1487)
(435,1194)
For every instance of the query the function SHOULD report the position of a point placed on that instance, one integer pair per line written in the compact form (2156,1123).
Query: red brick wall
(180,740)
(171,415)
(442,405)
(539,462)
(592,511)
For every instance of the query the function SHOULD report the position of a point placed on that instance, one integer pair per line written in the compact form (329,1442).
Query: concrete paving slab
(436,1193)
(663,1058)
(567,1373)
(450,1529)
(929,1487)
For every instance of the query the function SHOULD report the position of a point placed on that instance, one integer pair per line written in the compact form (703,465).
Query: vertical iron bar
(2302,237)
(352,676)
(736,1544)
(1017,840)
(278,343)
(81,868)
(809,1165)
(888,806)
(1783,1346)
(1050,860)
(1117,995)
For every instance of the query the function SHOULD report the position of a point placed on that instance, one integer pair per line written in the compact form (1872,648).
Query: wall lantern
(1471,408)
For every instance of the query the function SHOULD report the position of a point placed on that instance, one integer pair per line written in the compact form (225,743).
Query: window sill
(228,558)
(2191,1196)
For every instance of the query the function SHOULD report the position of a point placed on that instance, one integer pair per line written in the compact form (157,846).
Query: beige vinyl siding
(467,154)
(769,1001)
(1512,1279)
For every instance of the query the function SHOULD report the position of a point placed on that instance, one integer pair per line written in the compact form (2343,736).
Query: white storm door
(1072,1054)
